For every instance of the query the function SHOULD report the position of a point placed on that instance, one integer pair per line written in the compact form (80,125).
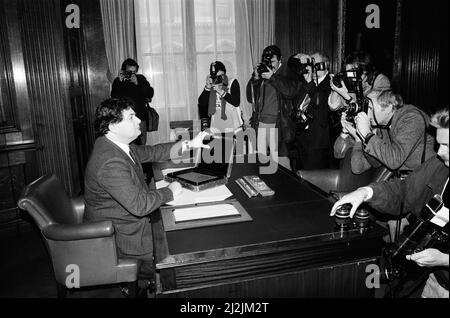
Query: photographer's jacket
(399,147)
(138,93)
(269,96)
(397,196)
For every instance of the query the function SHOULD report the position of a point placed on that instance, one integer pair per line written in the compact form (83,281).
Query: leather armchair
(91,246)
(343,180)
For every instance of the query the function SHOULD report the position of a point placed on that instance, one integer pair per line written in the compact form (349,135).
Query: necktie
(446,195)
(145,168)
(133,156)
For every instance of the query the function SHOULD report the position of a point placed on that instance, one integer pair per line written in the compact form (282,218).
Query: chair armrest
(326,179)
(73,232)
(78,205)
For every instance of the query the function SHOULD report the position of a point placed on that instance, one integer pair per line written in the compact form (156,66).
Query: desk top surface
(296,212)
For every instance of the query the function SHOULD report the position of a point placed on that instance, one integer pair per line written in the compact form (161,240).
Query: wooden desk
(290,249)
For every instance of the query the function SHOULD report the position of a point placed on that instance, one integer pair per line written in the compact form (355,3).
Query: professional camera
(217,79)
(301,68)
(353,81)
(355,107)
(424,231)
(351,78)
(266,62)
(127,75)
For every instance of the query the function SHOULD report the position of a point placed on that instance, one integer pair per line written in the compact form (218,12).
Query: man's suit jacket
(317,136)
(116,190)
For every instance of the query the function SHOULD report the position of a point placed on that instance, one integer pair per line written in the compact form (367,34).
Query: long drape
(118,29)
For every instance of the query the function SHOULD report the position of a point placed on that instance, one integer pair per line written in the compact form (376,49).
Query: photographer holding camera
(220,99)
(413,195)
(311,110)
(270,90)
(388,134)
(357,67)
(136,87)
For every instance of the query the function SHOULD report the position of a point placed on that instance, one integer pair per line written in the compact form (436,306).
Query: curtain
(256,27)
(118,29)
(178,39)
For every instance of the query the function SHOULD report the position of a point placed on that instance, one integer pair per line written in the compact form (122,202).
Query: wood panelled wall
(46,73)
(423,64)
(306,26)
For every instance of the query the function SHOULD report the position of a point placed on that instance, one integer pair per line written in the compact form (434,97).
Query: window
(176,42)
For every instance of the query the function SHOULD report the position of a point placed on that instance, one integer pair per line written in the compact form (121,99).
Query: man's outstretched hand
(197,141)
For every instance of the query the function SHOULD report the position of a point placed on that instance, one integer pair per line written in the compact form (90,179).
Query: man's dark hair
(218,66)
(110,112)
(273,50)
(440,118)
(364,62)
(129,62)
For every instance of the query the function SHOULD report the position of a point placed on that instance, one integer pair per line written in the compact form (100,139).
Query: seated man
(115,187)
(391,134)
(411,195)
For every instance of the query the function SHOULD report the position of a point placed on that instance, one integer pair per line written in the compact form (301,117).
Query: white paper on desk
(186,197)
(204,212)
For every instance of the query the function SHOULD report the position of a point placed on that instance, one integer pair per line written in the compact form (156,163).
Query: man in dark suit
(115,185)
(312,113)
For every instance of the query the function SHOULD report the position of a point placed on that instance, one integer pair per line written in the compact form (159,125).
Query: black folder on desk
(212,166)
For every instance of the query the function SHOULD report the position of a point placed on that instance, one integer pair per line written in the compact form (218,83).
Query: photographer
(136,87)
(220,99)
(270,90)
(399,196)
(390,134)
(371,79)
(311,111)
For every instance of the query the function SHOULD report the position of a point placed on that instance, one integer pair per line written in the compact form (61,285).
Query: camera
(266,62)
(351,78)
(216,79)
(127,75)
(355,107)
(301,68)
(353,81)
(422,232)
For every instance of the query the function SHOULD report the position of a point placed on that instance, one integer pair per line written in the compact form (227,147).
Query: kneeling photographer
(424,195)
(311,112)
(384,132)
